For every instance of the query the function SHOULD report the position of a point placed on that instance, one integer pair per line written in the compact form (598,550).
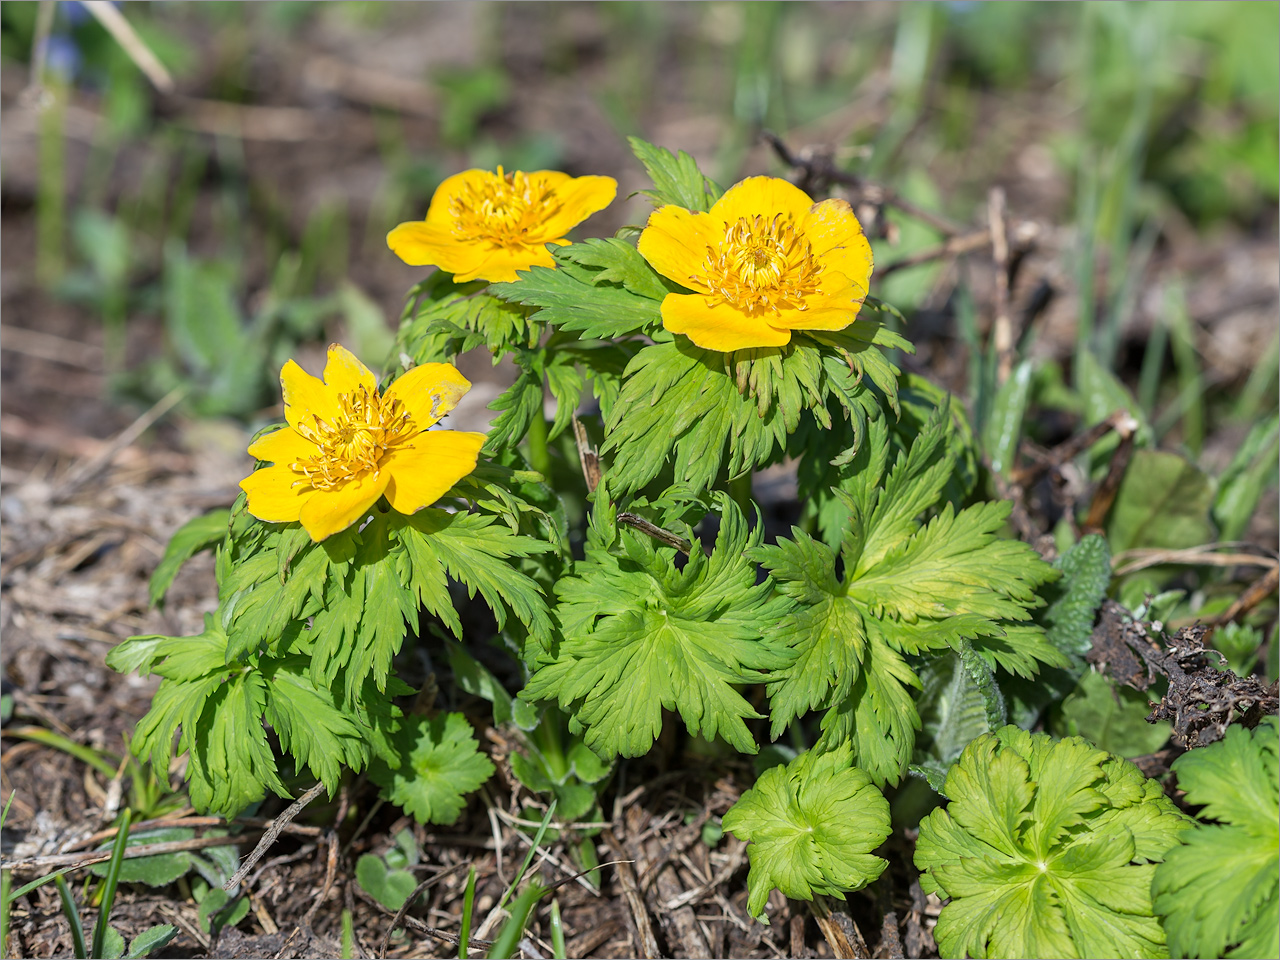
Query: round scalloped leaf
(1047,849)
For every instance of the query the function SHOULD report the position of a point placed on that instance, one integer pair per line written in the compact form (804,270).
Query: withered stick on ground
(1254,595)
(86,470)
(1002,329)
(1069,449)
(161,822)
(820,170)
(635,901)
(837,926)
(1105,495)
(76,860)
(273,833)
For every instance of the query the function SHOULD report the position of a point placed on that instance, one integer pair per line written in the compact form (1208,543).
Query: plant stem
(740,491)
(539,454)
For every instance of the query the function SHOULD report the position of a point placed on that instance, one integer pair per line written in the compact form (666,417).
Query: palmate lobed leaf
(640,635)
(1046,850)
(1218,893)
(811,826)
(906,589)
(438,763)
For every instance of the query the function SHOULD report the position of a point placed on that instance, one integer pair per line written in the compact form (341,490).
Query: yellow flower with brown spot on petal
(346,445)
(486,226)
(765,260)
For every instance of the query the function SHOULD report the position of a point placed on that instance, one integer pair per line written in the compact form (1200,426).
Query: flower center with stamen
(762,264)
(367,428)
(505,209)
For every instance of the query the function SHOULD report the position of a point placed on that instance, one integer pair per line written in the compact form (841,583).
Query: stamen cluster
(762,264)
(358,439)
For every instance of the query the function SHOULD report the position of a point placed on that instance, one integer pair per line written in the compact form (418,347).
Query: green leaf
(156,871)
(906,589)
(1164,501)
(1112,717)
(676,179)
(810,828)
(440,761)
(701,409)
(198,533)
(516,407)
(1045,850)
(1003,428)
(152,938)
(1218,894)
(602,289)
(1103,394)
(218,909)
(641,635)
(310,722)
(391,888)
(1241,485)
(112,944)
(474,550)
(230,764)
(953,711)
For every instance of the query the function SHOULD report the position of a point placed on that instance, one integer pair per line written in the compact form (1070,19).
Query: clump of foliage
(1218,892)
(1046,849)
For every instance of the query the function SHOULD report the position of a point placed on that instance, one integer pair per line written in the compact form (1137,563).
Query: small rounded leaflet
(764,261)
(484,225)
(346,445)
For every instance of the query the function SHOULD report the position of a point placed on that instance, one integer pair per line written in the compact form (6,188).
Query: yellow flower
(489,225)
(346,445)
(764,261)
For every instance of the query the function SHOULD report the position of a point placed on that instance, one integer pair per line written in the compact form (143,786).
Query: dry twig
(273,833)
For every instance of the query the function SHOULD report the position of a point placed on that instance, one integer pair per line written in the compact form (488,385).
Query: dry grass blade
(132,44)
(273,832)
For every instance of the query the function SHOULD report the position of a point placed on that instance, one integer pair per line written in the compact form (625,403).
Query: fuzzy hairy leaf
(1046,849)
(1218,893)
(640,635)
(810,828)
(906,589)
(439,762)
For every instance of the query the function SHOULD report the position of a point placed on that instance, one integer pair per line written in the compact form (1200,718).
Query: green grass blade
(110,883)
(468,904)
(509,936)
(73,918)
(1186,359)
(27,888)
(59,742)
(348,936)
(4,909)
(533,848)
(557,933)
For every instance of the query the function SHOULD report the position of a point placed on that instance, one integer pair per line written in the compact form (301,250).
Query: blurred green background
(201,236)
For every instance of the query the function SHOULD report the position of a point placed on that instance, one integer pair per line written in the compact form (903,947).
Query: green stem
(539,454)
(740,491)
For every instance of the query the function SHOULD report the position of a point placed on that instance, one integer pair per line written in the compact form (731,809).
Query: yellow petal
(423,472)
(429,391)
(283,447)
(838,240)
(343,373)
(579,198)
(499,264)
(422,244)
(273,496)
(675,243)
(305,397)
(828,313)
(327,512)
(763,196)
(721,326)
(439,213)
